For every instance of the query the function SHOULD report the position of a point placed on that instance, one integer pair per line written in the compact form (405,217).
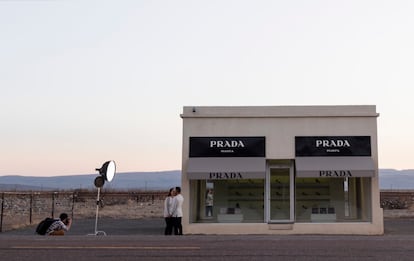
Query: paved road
(153,226)
(143,240)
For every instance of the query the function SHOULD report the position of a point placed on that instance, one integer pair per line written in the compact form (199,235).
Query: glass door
(280,195)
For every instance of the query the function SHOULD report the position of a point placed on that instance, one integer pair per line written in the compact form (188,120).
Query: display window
(316,200)
(228,201)
(333,199)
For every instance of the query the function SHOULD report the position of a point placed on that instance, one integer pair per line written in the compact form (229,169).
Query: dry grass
(131,209)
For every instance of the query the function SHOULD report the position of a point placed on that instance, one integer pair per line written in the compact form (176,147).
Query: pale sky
(83,82)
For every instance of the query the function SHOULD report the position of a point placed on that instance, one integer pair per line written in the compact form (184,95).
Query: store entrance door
(280,188)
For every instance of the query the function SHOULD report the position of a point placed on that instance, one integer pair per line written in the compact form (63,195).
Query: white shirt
(168,206)
(178,206)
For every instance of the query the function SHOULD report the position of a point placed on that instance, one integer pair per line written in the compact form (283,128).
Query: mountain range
(396,179)
(162,180)
(126,181)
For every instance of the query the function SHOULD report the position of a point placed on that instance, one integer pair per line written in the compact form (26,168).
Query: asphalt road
(143,240)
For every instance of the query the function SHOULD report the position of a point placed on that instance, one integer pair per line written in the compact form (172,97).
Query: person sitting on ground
(60,226)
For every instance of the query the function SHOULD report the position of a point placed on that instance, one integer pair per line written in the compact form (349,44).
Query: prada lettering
(332,143)
(226,144)
(225,175)
(335,173)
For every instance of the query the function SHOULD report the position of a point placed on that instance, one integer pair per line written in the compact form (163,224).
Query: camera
(66,221)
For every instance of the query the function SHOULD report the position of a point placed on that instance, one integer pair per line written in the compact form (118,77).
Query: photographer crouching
(60,226)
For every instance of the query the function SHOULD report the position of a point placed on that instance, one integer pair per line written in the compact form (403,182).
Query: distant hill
(396,179)
(162,180)
(128,180)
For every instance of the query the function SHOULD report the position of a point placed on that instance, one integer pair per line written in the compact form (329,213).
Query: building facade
(281,170)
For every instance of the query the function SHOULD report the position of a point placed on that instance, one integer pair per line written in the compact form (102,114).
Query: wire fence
(19,209)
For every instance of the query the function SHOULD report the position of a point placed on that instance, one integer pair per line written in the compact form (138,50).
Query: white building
(281,170)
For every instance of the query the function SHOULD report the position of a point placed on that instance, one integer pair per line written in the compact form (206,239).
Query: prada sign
(335,173)
(333,146)
(227,146)
(226,175)
(226,168)
(334,167)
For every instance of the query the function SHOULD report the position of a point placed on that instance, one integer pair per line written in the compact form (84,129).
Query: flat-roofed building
(281,170)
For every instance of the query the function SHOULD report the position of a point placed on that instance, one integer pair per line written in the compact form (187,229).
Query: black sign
(227,146)
(333,146)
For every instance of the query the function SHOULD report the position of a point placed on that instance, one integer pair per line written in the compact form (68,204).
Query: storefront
(281,170)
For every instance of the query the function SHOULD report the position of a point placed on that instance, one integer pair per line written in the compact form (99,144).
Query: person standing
(209,203)
(178,211)
(168,214)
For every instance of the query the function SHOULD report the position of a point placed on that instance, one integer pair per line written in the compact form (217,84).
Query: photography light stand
(106,172)
(96,217)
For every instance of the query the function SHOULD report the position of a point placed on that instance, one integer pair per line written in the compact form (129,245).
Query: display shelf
(245,199)
(230,218)
(245,187)
(281,186)
(317,192)
(246,192)
(319,199)
(311,186)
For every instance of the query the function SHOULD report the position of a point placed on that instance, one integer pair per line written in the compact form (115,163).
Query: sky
(83,82)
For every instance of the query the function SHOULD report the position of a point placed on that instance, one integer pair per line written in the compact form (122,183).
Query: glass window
(280,198)
(228,200)
(333,199)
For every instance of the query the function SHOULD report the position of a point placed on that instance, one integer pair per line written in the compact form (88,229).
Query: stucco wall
(280,125)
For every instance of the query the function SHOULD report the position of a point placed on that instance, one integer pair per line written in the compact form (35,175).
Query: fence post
(31,208)
(2,209)
(53,204)
(73,202)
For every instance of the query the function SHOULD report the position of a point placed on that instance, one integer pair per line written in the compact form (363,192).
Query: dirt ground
(155,226)
(149,214)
